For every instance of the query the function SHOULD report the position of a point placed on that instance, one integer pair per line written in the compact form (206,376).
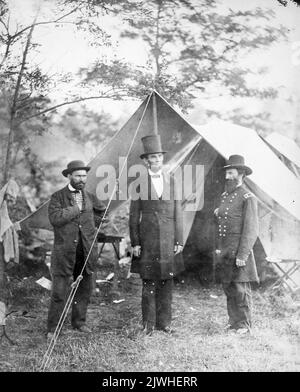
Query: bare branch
(13,107)
(8,44)
(13,37)
(105,95)
(43,23)
(5,25)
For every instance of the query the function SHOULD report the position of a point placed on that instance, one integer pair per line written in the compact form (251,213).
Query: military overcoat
(68,221)
(156,225)
(237,231)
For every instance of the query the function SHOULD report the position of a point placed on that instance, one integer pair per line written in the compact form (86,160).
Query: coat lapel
(67,193)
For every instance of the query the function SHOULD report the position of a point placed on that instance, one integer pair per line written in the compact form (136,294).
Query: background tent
(286,149)
(177,136)
(207,147)
(276,188)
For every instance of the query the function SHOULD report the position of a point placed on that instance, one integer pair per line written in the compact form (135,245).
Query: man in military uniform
(156,233)
(237,220)
(73,213)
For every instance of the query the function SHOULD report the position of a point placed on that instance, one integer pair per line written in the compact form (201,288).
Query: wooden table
(114,240)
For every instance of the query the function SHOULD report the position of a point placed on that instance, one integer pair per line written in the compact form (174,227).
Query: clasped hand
(240,263)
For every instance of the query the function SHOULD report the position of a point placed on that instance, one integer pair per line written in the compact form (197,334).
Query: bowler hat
(152,145)
(74,165)
(237,162)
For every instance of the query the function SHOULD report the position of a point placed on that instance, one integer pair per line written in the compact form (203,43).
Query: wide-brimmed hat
(152,145)
(74,165)
(237,162)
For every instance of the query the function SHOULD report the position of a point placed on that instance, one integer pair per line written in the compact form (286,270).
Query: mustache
(78,185)
(231,182)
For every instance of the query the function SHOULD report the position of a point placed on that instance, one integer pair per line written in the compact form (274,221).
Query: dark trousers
(239,303)
(156,303)
(60,290)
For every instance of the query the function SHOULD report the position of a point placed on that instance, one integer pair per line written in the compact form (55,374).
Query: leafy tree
(194,46)
(89,129)
(261,122)
(25,87)
(285,2)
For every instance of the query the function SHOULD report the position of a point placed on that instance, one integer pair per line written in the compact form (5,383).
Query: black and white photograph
(149,189)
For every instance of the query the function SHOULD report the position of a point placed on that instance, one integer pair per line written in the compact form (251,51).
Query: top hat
(74,165)
(152,145)
(237,162)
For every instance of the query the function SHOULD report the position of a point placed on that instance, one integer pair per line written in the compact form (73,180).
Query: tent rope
(75,284)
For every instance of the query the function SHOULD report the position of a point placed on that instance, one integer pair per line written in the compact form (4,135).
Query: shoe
(83,329)
(148,331)
(242,331)
(229,327)
(167,330)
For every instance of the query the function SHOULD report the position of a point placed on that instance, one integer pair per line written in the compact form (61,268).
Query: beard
(77,185)
(230,185)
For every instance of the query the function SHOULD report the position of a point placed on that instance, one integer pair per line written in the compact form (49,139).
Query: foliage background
(72,72)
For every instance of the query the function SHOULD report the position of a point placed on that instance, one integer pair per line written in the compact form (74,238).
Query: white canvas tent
(276,188)
(286,149)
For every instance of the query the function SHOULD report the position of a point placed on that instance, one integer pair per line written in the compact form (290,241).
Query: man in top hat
(237,220)
(73,213)
(156,234)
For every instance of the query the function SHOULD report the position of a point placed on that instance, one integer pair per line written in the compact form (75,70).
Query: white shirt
(158,182)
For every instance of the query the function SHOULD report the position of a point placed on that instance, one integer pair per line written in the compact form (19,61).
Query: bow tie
(76,191)
(155,176)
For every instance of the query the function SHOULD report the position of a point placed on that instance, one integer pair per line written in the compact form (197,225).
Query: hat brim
(154,152)
(69,171)
(247,169)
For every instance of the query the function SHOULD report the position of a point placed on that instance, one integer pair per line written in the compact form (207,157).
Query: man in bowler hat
(155,224)
(237,220)
(74,214)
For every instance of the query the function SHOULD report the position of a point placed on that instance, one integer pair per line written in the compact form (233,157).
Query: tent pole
(155,128)
(214,258)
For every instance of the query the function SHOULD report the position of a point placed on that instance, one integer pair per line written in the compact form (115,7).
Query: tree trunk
(3,280)
(13,110)
(156,50)
(9,149)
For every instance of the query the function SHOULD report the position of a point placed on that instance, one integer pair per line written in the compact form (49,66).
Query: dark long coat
(68,221)
(237,232)
(156,225)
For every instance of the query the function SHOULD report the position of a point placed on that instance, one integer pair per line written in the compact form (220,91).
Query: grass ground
(117,344)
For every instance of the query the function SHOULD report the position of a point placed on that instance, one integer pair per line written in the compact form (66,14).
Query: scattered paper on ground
(124,261)
(102,281)
(110,276)
(44,282)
